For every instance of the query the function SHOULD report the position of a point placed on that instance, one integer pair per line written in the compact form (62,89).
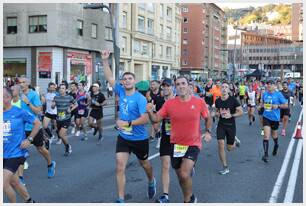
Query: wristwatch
(28,104)
(30,139)
(130,123)
(208,130)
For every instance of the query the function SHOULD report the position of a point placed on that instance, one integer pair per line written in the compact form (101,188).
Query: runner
(73,92)
(251,100)
(133,136)
(31,103)
(14,145)
(208,95)
(97,100)
(165,149)
(64,105)
(260,109)
(184,113)
(285,113)
(50,114)
(272,101)
(82,111)
(228,108)
(242,92)
(155,96)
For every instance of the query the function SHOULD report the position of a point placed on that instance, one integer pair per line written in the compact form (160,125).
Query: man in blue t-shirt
(32,104)
(133,136)
(15,144)
(272,102)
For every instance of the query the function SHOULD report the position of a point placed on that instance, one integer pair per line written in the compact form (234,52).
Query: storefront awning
(14,61)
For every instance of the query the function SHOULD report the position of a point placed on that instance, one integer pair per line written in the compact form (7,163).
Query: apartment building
(53,41)
(204,40)
(297,22)
(149,39)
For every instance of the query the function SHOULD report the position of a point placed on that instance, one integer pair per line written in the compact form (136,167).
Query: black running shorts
(51,116)
(38,140)
(165,148)
(12,164)
(63,124)
(273,124)
(96,114)
(192,153)
(139,148)
(226,131)
(284,112)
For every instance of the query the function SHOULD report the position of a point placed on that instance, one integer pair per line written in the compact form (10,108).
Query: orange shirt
(216,92)
(185,120)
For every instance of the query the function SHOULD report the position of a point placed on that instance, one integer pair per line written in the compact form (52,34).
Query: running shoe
(152,189)
(21,180)
(77,134)
(26,165)
(253,118)
(119,200)
(51,169)
(59,141)
(250,123)
(163,199)
(275,149)
(283,133)
(68,150)
(73,130)
(237,142)
(265,158)
(193,199)
(224,171)
(30,201)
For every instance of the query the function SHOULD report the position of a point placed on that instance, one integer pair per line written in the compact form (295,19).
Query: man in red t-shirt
(184,112)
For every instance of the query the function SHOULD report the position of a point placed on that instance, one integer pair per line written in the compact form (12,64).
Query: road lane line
(281,175)
(294,172)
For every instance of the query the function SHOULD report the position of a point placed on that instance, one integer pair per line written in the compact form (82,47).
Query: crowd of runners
(173,108)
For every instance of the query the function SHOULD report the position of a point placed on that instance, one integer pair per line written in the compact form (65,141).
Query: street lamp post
(114,30)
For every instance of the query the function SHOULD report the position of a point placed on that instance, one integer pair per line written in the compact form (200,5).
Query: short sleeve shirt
(131,108)
(34,99)
(270,99)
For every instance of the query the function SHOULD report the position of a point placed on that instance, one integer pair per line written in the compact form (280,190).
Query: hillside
(274,14)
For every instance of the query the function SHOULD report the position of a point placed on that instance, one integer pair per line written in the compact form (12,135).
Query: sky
(236,5)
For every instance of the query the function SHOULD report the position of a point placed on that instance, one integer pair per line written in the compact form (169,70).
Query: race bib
(268,106)
(81,112)
(179,150)
(61,115)
(168,128)
(127,130)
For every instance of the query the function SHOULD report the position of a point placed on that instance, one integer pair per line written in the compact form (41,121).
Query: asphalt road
(88,175)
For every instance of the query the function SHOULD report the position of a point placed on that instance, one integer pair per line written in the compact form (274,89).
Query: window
(169,32)
(185,52)
(80,28)
(185,9)
(141,23)
(11,25)
(144,49)
(169,13)
(38,24)
(124,19)
(185,20)
(168,52)
(185,41)
(123,44)
(137,47)
(150,7)
(161,31)
(184,62)
(185,30)
(150,26)
(108,34)
(94,31)
(153,50)
(161,51)
(161,10)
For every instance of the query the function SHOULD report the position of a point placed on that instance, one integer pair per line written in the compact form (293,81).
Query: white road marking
(281,175)
(153,156)
(294,172)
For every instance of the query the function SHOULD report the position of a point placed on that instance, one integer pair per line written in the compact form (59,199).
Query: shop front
(14,67)
(80,66)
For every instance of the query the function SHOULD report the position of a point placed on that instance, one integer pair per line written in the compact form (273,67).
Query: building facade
(54,42)
(297,22)
(204,40)
(149,39)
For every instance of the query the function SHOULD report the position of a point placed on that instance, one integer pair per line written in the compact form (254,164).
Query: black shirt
(224,105)
(158,99)
(100,98)
(287,95)
(74,96)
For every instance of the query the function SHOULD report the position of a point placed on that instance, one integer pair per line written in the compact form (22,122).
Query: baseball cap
(167,81)
(96,85)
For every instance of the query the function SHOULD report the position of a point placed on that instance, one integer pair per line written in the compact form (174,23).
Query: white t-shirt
(251,99)
(49,98)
